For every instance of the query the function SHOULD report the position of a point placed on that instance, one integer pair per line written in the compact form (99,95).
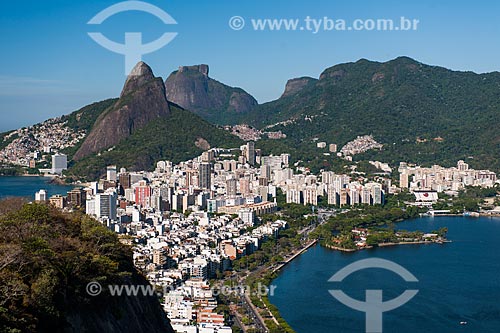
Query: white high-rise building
(59,163)
(111,173)
(462,166)
(247,215)
(41,196)
(293,195)
(103,205)
(332,195)
(311,195)
(376,193)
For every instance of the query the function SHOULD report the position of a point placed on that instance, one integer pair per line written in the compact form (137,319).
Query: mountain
(294,86)
(420,113)
(181,136)
(141,101)
(138,129)
(47,260)
(192,88)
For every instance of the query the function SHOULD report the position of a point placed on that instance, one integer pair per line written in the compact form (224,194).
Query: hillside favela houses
(188,222)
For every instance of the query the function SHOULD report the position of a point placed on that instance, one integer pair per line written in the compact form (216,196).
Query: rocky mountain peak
(293,86)
(191,88)
(203,69)
(140,75)
(142,101)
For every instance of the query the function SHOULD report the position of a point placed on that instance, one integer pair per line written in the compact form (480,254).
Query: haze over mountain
(192,88)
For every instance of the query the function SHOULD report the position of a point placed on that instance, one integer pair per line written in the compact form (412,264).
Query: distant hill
(138,129)
(179,137)
(47,259)
(420,113)
(192,88)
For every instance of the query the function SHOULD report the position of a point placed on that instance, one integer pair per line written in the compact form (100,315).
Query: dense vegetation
(170,138)
(469,199)
(84,119)
(46,260)
(422,114)
(340,225)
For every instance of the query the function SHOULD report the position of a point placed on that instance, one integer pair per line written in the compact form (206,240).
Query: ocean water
(458,281)
(27,186)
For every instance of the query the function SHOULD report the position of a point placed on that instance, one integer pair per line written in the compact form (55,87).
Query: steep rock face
(141,101)
(192,88)
(293,86)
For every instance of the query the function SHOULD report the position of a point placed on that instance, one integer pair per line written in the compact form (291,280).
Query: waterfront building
(58,201)
(59,163)
(41,196)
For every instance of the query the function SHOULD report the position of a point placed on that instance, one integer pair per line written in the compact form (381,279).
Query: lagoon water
(458,281)
(27,186)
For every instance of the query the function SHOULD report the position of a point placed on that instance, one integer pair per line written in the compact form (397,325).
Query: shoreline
(278,269)
(341,249)
(296,255)
(414,243)
(29,175)
(51,179)
(472,214)
(430,252)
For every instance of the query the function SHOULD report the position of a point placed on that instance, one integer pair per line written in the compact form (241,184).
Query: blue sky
(49,66)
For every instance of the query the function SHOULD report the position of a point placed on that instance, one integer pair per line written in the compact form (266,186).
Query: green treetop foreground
(47,258)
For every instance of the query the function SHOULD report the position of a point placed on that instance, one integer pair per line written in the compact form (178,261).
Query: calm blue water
(27,186)
(458,281)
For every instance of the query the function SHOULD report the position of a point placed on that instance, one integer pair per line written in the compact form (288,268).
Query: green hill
(423,114)
(85,118)
(171,138)
(47,258)
(139,129)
